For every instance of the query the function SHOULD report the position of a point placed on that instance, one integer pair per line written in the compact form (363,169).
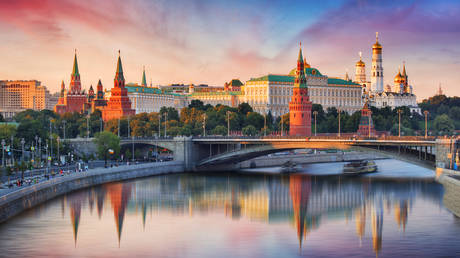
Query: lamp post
(369,122)
(339,121)
(132,142)
(58,154)
(204,125)
(265,124)
(100,120)
(22,149)
(159,125)
(39,151)
(166,121)
(3,152)
(228,123)
(426,122)
(282,132)
(51,140)
(399,122)
(64,122)
(315,113)
(118,127)
(87,127)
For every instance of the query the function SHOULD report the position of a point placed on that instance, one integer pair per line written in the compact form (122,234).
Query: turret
(119,81)
(144,81)
(75,84)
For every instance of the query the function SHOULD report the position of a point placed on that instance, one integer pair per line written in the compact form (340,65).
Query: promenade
(20,199)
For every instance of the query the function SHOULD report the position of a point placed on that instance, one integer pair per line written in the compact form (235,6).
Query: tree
(106,141)
(219,130)
(244,108)
(443,124)
(249,130)
(197,104)
(255,119)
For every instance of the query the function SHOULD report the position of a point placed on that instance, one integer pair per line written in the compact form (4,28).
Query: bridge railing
(330,137)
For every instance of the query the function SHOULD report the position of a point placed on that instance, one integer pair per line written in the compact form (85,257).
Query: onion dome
(398,77)
(376,44)
(360,63)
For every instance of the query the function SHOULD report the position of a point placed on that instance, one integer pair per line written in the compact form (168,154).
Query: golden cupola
(399,78)
(376,44)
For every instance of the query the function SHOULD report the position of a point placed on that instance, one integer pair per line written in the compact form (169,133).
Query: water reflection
(299,200)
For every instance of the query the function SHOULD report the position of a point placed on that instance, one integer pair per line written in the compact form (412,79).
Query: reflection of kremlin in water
(303,201)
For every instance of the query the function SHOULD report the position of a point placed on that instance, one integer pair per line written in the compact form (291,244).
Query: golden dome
(360,63)
(398,77)
(376,44)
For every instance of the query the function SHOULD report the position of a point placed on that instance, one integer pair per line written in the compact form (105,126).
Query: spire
(119,73)
(300,59)
(144,81)
(404,69)
(75,65)
(377,37)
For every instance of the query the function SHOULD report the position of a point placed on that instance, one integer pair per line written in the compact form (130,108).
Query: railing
(381,138)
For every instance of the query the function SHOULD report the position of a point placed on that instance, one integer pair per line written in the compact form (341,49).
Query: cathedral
(400,94)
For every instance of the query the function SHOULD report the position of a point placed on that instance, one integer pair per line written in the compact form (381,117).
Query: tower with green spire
(75,84)
(119,104)
(300,104)
(144,81)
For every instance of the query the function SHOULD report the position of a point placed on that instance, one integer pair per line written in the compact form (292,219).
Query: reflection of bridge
(202,152)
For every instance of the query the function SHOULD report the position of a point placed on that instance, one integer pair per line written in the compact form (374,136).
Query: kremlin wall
(276,93)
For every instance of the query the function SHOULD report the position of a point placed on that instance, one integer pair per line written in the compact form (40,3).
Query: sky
(212,42)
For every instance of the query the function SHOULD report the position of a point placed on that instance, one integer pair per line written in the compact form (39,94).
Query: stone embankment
(278,160)
(450,179)
(15,202)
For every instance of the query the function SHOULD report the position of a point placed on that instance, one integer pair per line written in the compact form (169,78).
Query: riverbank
(278,160)
(15,202)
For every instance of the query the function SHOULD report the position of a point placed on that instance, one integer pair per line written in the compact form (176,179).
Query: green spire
(75,65)
(119,73)
(300,53)
(144,81)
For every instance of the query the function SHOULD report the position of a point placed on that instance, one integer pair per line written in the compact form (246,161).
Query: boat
(359,167)
(289,166)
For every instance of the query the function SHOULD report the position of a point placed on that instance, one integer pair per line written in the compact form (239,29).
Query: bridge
(210,152)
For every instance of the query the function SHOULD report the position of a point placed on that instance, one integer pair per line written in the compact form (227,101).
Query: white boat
(359,167)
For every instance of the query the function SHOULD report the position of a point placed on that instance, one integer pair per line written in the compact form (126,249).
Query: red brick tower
(119,104)
(366,121)
(75,99)
(300,105)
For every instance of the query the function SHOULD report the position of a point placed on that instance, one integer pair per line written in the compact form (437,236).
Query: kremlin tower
(73,100)
(377,69)
(300,105)
(119,104)
(366,122)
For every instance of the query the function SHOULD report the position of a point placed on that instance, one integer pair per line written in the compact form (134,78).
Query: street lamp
(426,122)
(228,123)
(399,122)
(39,151)
(87,127)
(282,132)
(100,120)
(166,121)
(58,139)
(204,125)
(64,122)
(315,113)
(339,120)
(265,124)
(118,127)
(22,146)
(159,125)
(3,152)
(369,122)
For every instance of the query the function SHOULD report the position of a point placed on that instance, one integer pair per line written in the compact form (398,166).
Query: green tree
(249,130)
(219,130)
(443,124)
(197,104)
(255,119)
(244,108)
(106,141)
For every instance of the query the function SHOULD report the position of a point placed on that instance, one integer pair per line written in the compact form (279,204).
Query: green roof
(274,78)
(236,82)
(144,81)
(131,87)
(119,73)
(308,72)
(338,81)
(234,93)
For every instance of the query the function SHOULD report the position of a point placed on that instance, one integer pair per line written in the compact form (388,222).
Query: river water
(398,211)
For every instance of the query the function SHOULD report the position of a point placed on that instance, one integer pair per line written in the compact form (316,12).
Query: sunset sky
(200,41)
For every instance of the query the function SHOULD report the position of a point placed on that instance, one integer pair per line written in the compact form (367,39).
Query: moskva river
(398,211)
